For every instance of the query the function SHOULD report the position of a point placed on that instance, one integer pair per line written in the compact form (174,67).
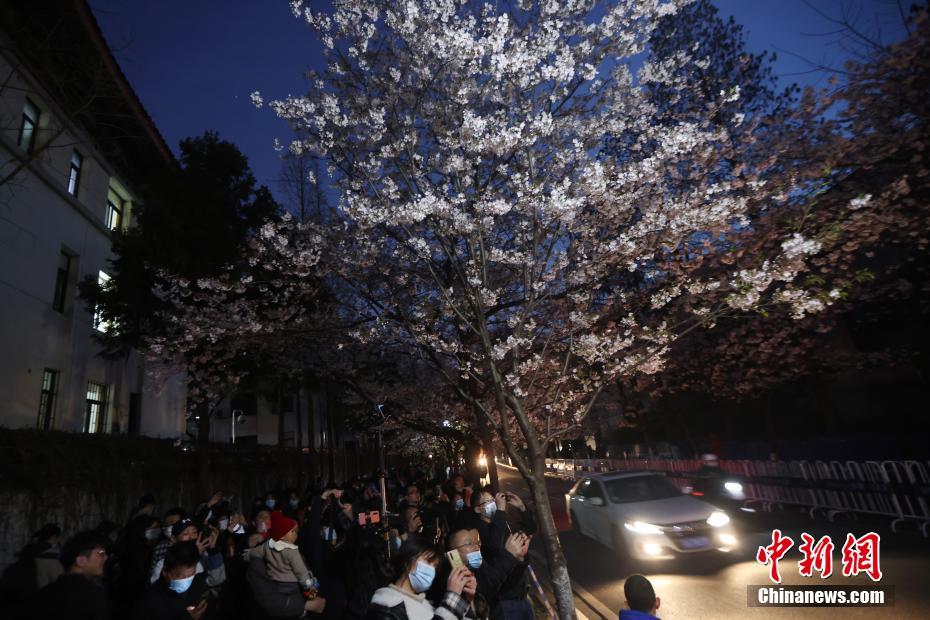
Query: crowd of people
(444,548)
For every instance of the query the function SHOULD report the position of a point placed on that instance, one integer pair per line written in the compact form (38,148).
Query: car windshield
(640,489)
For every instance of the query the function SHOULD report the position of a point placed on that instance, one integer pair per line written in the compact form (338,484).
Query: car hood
(681,509)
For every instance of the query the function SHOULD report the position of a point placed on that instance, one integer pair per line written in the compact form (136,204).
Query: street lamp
(237,415)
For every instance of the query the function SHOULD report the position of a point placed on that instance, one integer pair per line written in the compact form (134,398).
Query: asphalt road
(715,586)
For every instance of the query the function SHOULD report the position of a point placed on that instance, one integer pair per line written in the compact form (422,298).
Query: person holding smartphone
(180,591)
(500,516)
(415,565)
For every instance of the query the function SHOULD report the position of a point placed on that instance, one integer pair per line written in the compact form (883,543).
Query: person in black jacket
(75,594)
(490,573)
(179,593)
(415,564)
(494,527)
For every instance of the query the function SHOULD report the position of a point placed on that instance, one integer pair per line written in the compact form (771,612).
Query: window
(641,489)
(101,324)
(61,282)
(114,210)
(74,177)
(47,399)
(29,126)
(96,407)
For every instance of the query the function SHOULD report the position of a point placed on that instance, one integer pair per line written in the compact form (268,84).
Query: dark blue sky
(194,63)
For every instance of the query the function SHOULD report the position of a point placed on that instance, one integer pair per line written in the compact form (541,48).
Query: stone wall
(78,480)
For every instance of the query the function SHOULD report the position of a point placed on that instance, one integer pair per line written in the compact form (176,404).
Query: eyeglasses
(469,543)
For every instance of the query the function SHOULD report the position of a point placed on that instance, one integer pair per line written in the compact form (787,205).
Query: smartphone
(455,559)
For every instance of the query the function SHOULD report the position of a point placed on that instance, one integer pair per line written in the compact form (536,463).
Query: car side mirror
(596,501)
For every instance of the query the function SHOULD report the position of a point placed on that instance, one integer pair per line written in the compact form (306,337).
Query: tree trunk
(472,469)
(203,449)
(558,567)
(311,440)
(488,444)
(279,407)
(330,441)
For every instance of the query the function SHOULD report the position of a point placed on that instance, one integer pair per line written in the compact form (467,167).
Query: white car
(646,516)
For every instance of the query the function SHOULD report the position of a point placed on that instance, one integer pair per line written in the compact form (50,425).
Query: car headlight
(642,528)
(718,519)
(733,487)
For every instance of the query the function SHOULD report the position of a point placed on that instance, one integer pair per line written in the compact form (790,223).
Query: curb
(602,611)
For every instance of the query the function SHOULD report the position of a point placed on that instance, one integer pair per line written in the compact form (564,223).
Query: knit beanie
(281,525)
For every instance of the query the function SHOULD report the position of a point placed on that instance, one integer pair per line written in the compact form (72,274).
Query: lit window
(74,177)
(28,126)
(100,324)
(96,408)
(61,282)
(114,210)
(47,399)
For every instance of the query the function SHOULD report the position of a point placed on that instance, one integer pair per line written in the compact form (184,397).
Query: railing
(896,489)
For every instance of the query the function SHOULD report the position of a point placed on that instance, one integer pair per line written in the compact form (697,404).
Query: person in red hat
(283,561)
(284,564)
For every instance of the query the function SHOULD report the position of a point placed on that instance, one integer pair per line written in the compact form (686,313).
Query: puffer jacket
(393,603)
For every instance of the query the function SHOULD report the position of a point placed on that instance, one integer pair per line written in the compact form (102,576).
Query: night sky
(194,63)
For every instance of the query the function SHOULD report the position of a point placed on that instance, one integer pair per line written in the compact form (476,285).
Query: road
(716,586)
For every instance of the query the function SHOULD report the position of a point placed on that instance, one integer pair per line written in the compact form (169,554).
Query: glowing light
(718,519)
(643,528)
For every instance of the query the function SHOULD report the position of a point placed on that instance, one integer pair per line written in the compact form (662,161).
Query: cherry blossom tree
(489,239)
(484,227)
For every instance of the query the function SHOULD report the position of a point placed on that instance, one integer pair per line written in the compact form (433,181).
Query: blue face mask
(422,578)
(181,585)
(459,504)
(474,559)
(489,509)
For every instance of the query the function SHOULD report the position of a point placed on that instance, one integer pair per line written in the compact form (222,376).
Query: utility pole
(381,476)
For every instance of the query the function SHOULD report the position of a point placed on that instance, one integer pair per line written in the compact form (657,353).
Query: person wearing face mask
(180,592)
(211,557)
(139,540)
(293,508)
(495,530)
(261,522)
(490,573)
(405,599)
(270,501)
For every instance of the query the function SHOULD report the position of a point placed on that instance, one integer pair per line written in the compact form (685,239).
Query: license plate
(698,542)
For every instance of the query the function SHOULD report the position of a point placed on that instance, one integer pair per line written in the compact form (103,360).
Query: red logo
(817,557)
(774,552)
(860,555)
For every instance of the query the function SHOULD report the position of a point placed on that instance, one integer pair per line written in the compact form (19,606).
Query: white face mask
(489,509)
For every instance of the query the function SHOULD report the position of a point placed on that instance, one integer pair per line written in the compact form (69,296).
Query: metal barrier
(896,489)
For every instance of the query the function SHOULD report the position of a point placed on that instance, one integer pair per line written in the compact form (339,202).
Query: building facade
(77,150)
